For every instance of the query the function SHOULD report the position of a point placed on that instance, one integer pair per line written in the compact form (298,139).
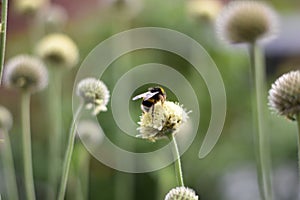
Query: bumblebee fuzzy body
(151,97)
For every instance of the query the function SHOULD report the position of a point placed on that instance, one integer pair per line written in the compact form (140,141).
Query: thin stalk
(298,126)
(26,139)
(68,155)
(9,169)
(3,35)
(178,169)
(259,119)
(55,139)
(82,174)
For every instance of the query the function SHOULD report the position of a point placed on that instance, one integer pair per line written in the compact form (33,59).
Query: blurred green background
(228,172)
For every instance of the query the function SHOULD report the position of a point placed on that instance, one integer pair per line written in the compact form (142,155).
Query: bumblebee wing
(145,96)
(149,95)
(140,96)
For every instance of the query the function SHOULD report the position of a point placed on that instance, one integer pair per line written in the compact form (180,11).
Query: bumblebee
(151,97)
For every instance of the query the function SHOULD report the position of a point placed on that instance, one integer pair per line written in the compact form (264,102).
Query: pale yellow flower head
(161,121)
(94,94)
(284,96)
(181,193)
(29,7)
(204,9)
(59,50)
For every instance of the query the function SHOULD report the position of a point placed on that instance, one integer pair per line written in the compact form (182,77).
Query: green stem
(26,139)
(9,169)
(55,139)
(82,174)
(68,155)
(259,118)
(3,35)
(298,126)
(178,169)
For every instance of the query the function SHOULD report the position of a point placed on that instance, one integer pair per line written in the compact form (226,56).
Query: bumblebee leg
(152,112)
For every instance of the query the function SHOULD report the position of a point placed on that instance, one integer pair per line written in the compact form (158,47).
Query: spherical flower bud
(6,119)
(161,121)
(94,93)
(29,7)
(58,50)
(284,96)
(90,133)
(247,22)
(55,17)
(181,193)
(26,72)
(204,9)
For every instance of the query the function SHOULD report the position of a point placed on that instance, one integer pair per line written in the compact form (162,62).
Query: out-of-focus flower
(90,133)
(284,96)
(181,193)
(26,72)
(204,9)
(29,7)
(94,93)
(247,22)
(161,121)
(126,9)
(58,50)
(6,119)
(55,17)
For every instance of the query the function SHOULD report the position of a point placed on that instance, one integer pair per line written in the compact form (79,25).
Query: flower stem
(55,139)
(259,119)
(26,139)
(298,126)
(82,173)
(178,169)
(68,155)
(3,35)
(9,169)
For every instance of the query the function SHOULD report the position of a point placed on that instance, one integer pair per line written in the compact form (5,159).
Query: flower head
(284,96)
(161,120)
(246,22)
(181,193)
(58,50)
(6,119)
(26,72)
(90,133)
(29,7)
(126,9)
(204,9)
(94,94)
(55,17)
